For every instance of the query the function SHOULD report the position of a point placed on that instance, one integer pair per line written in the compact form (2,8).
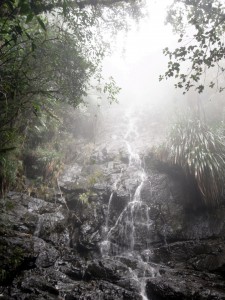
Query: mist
(112,180)
(137,59)
(135,63)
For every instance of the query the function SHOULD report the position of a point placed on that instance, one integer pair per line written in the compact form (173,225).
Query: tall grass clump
(201,155)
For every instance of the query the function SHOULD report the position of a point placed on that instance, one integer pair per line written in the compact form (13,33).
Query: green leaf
(41,23)
(24,8)
(65,8)
(10,5)
(28,35)
(33,46)
(29,18)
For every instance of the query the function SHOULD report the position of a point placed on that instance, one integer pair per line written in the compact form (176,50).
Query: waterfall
(122,239)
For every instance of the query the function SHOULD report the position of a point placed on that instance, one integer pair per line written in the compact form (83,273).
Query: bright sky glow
(138,60)
(149,36)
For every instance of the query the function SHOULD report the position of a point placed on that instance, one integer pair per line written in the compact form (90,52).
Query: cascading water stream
(123,237)
(108,212)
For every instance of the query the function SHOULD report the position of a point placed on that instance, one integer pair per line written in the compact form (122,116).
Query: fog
(136,62)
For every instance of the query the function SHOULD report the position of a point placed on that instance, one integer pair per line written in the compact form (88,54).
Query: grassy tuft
(201,154)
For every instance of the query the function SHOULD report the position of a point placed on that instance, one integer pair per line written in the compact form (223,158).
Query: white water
(123,237)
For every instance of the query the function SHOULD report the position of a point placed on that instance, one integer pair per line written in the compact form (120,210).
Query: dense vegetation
(50,57)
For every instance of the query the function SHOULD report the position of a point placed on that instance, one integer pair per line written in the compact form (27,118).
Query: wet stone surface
(118,231)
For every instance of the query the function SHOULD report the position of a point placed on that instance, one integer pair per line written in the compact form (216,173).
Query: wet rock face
(185,284)
(202,255)
(52,249)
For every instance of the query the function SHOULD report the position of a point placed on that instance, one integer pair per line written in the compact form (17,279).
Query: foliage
(52,56)
(94,178)
(49,51)
(33,79)
(201,26)
(10,169)
(42,154)
(84,198)
(201,154)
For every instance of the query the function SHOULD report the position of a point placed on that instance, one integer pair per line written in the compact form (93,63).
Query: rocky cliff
(118,228)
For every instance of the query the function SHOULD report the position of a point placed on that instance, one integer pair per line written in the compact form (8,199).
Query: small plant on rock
(94,178)
(84,198)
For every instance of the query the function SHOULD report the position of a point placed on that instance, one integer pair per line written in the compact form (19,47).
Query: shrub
(10,171)
(201,155)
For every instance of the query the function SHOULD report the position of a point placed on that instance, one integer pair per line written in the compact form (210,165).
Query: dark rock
(46,254)
(16,253)
(51,249)
(53,227)
(184,284)
(206,255)
(70,176)
(109,269)
(101,290)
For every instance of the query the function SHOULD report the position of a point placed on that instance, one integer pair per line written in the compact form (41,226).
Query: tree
(49,51)
(51,55)
(201,27)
